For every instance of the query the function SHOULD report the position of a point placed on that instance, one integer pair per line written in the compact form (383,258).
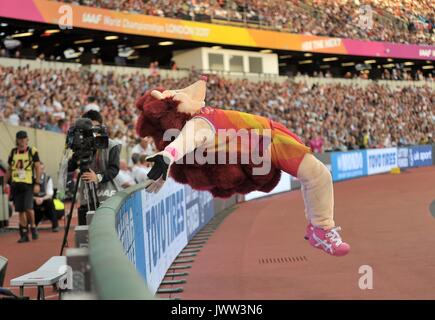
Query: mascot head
(168,109)
(163,110)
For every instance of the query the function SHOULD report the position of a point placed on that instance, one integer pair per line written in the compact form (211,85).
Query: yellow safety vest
(58,205)
(22,165)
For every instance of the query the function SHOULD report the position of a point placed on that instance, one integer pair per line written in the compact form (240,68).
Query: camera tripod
(92,201)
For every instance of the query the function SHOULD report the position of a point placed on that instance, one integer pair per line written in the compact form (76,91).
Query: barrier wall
(353,164)
(360,163)
(114,277)
(154,228)
(283,185)
(135,236)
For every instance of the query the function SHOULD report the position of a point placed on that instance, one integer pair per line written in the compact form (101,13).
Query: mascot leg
(318,194)
(317,191)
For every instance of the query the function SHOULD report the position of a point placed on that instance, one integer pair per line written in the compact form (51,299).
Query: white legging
(317,191)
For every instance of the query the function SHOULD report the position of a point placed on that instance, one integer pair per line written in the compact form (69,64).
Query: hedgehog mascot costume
(227,152)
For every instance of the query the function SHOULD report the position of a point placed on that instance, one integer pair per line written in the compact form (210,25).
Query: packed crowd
(386,20)
(342,116)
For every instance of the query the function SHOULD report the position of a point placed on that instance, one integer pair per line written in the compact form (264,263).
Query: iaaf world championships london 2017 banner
(53,12)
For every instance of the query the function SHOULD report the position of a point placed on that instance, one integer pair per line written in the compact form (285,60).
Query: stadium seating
(392,20)
(337,110)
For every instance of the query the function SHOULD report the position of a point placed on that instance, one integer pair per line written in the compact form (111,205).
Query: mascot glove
(159,172)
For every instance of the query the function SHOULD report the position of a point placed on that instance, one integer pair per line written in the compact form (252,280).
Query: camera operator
(102,171)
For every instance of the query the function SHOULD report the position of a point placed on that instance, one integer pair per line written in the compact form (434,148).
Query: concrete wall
(199,58)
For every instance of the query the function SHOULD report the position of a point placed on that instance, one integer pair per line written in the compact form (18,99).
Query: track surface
(27,257)
(385,218)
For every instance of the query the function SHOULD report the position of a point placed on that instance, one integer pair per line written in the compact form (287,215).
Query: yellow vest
(58,205)
(22,165)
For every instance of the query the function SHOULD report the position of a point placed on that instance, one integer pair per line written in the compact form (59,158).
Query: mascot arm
(196,133)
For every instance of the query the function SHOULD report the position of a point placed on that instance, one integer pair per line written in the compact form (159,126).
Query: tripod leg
(94,197)
(87,189)
(68,224)
(96,201)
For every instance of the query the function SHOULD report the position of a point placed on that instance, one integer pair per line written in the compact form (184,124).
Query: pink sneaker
(308,231)
(329,241)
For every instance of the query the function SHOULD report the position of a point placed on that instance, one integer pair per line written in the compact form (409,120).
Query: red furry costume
(184,110)
(160,115)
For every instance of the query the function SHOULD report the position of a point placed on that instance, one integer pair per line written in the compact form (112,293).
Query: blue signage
(346,165)
(199,210)
(420,156)
(130,227)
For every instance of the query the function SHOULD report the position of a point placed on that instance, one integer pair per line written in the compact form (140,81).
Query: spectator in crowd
(143,167)
(52,124)
(316,144)
(174,66)
(24,174)
(43,201)
(135,165)
(92,105)
(12,118)
(351,143)
(154,69)
(364,139)
(144,146)
(124,177)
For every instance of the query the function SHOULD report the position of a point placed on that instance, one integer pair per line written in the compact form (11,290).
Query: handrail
(114,276)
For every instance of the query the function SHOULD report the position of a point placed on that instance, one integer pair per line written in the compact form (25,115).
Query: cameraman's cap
(21,134)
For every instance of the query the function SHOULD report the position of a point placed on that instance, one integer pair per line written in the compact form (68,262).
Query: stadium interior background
(389,95)
(45,42)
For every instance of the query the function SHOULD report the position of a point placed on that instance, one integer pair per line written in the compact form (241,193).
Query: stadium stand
(393,20)
(392,115)
(395,111)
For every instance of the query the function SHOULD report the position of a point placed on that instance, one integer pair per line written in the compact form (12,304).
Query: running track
(385,218)
(258,252)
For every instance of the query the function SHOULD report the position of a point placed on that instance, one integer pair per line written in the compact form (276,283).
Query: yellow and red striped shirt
(287,149)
